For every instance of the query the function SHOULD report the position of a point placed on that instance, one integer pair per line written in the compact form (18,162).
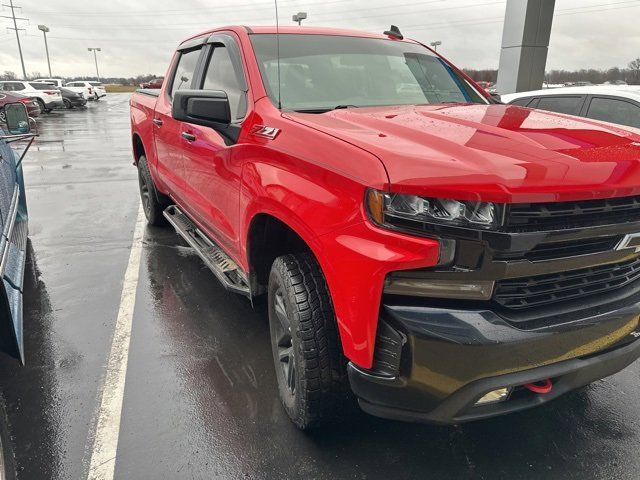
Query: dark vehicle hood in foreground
(498,153)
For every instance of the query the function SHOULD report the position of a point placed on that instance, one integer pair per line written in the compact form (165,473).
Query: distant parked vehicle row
(609,103)
(46,95)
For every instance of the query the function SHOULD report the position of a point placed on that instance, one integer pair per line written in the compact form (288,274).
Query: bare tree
(9,75)
(634,66)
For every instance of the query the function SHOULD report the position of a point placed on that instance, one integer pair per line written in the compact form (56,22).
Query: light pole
(298,17)
(95,57)
(44,30)
(436,44)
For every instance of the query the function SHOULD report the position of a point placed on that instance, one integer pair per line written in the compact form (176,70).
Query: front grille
(562,215)
(555,250)
(542,290)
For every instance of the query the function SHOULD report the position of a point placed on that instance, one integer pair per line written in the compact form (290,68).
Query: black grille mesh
(542,290)
(562,215)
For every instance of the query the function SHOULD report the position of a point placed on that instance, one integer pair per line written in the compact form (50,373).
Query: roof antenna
(278,53)
(394,32)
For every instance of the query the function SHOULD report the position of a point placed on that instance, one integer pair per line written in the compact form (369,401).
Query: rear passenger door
(614,110)
(211,167)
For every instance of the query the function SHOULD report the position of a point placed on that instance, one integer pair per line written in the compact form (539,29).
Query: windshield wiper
(324,110)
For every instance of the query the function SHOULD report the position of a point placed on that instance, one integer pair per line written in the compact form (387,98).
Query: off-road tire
(320,387)
(153,202)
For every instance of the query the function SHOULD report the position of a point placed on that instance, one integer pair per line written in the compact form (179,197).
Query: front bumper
(449,359)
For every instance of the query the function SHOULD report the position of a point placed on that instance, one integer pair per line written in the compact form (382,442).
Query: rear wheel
(153,202)
(310,367)
(43,109)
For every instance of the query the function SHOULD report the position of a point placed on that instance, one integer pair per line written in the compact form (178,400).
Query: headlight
(411,212)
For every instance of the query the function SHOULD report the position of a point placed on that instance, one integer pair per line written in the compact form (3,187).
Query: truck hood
(499,153)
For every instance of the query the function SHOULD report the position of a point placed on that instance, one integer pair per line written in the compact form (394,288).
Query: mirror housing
(202,107)
(17,118)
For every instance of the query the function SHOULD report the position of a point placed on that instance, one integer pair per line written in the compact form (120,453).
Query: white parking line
(105,444)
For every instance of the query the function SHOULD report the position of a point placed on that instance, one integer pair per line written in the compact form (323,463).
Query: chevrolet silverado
(442,256)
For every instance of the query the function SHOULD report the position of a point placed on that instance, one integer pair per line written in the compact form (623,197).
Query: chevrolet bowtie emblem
(631,240)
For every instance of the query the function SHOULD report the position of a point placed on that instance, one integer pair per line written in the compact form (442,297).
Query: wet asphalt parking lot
(200,399)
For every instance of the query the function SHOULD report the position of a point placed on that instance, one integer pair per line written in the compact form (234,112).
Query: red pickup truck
(442,256)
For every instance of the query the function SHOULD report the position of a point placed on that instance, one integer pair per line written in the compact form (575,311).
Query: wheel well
(268,239)
(138,147)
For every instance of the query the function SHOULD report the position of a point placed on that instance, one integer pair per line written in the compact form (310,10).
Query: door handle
(157,121)
(188,136)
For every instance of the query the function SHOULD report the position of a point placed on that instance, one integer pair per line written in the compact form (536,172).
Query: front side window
(319,73)
(185,70)
(222,76)
(567,105)
(614,111)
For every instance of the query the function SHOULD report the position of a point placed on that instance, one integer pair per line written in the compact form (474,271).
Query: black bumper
(449,359)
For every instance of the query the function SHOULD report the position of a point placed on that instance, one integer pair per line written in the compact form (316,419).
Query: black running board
(222,266)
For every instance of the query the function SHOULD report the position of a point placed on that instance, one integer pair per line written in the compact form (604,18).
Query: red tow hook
(542,387)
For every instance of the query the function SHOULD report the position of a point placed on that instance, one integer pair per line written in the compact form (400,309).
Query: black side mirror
(17,118)
(202,107)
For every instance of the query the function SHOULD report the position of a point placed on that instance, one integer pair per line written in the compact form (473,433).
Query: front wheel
(310,366)
(67,104)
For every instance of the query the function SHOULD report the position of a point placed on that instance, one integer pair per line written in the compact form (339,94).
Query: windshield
(321,72)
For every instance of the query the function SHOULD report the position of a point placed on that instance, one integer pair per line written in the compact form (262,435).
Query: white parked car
(57,82)
(45,94)
(91,90)
(610,103)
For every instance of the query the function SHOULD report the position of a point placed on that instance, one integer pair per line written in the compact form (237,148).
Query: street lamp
(436,44)
(95,57)
(44,30)
(298,17)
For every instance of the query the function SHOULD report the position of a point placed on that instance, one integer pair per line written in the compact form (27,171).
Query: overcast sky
(139,37)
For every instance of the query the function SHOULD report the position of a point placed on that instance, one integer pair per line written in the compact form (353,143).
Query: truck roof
(287,30)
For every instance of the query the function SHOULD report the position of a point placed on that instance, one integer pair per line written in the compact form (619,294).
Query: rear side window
(614,111)
(185,70)
(95,84)
(568,105)
(222,76)
(41,86)
(521,102)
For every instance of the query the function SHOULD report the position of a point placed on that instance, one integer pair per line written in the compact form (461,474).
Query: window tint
(41,86)
(12,86)
(521,102)
(221,76)
(185,70)
(615,111)
(568,105)
(95,84)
